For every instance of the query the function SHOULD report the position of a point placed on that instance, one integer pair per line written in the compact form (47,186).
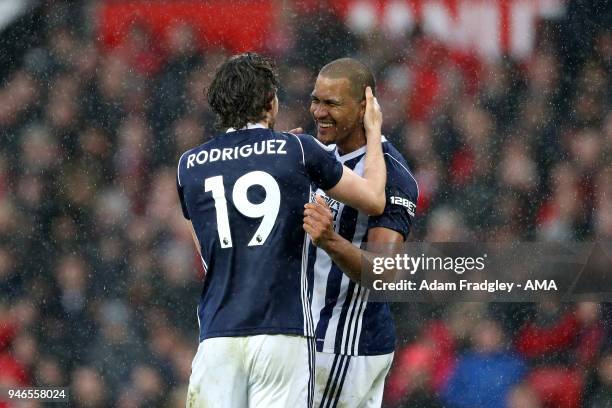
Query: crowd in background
(98,274)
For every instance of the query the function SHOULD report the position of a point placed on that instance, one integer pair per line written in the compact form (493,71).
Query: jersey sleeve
(321,164)
(402,193)
(179,188)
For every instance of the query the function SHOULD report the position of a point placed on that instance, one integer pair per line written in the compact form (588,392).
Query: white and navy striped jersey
(345,322)
(244,192)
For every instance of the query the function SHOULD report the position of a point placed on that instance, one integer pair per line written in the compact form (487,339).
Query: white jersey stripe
(178,170)
(301,147)
(356,306)
(362,300)
(407,171)
(360,231)
(332,327)
(365,295)
(358,235)
(349,323)
(355,301)
(198,315)
(306,301)
(346,323)
(308,325)
(318,293)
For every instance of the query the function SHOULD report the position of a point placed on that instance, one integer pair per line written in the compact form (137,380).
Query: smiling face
(337,114)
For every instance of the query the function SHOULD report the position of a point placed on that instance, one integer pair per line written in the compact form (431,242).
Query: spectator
(603,394)
(484,375)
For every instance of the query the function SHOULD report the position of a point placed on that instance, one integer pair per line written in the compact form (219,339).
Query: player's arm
(366,193)
(187,221)
(196,241)
(318,223)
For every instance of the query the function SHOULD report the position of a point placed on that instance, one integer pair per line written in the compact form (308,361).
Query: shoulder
(193,151)
(189,157)
(310,144)
(398,171)
(311,140)
(181,163)
(394,157)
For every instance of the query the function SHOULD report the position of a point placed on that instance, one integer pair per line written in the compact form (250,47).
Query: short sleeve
(402,193)
(321,164)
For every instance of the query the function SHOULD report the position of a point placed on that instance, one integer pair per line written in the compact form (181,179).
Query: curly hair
(242,90)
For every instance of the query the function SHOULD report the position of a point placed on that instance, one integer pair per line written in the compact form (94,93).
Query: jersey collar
(355,153)
(248,126)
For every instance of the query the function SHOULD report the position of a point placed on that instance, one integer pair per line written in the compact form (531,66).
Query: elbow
(377,207)
(382,203)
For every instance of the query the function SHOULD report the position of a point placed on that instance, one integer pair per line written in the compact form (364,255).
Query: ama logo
(540,285)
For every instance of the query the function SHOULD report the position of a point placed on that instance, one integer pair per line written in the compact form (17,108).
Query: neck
(352,143)
(268,119)
(264,122)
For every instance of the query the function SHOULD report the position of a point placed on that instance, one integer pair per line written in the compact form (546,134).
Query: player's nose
(319,111)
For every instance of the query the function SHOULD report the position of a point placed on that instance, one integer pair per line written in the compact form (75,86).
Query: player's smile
(325,131)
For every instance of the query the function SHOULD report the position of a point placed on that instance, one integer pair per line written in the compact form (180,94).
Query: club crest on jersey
(404,202)
(334,205)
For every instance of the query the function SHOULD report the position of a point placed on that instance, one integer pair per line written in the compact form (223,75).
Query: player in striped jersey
(355,339)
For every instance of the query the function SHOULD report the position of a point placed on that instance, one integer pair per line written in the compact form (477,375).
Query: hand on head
(372,119)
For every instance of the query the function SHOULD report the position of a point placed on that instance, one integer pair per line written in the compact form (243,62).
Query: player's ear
(275,105)
(272,106)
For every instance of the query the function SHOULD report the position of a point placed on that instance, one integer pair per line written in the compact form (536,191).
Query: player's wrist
(373,132)
(330,242)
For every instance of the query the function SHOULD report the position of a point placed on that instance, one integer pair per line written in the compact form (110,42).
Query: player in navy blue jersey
(244,192)
(355,339)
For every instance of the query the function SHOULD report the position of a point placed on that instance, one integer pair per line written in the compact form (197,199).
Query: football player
(355,339)
(244,193)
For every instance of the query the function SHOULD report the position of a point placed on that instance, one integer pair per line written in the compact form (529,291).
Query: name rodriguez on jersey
(242,152)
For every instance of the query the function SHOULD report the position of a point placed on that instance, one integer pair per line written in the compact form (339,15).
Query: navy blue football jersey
(244,192)
(345,321)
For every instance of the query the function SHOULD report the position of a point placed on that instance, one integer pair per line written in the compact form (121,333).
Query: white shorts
(252,371)
(350,381)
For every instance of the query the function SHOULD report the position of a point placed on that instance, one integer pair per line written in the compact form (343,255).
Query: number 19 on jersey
(268,208)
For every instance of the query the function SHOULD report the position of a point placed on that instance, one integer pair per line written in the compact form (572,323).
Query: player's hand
(297,131)
(372,119)
(319,222)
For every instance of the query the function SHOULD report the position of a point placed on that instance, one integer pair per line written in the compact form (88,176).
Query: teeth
(325,125)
